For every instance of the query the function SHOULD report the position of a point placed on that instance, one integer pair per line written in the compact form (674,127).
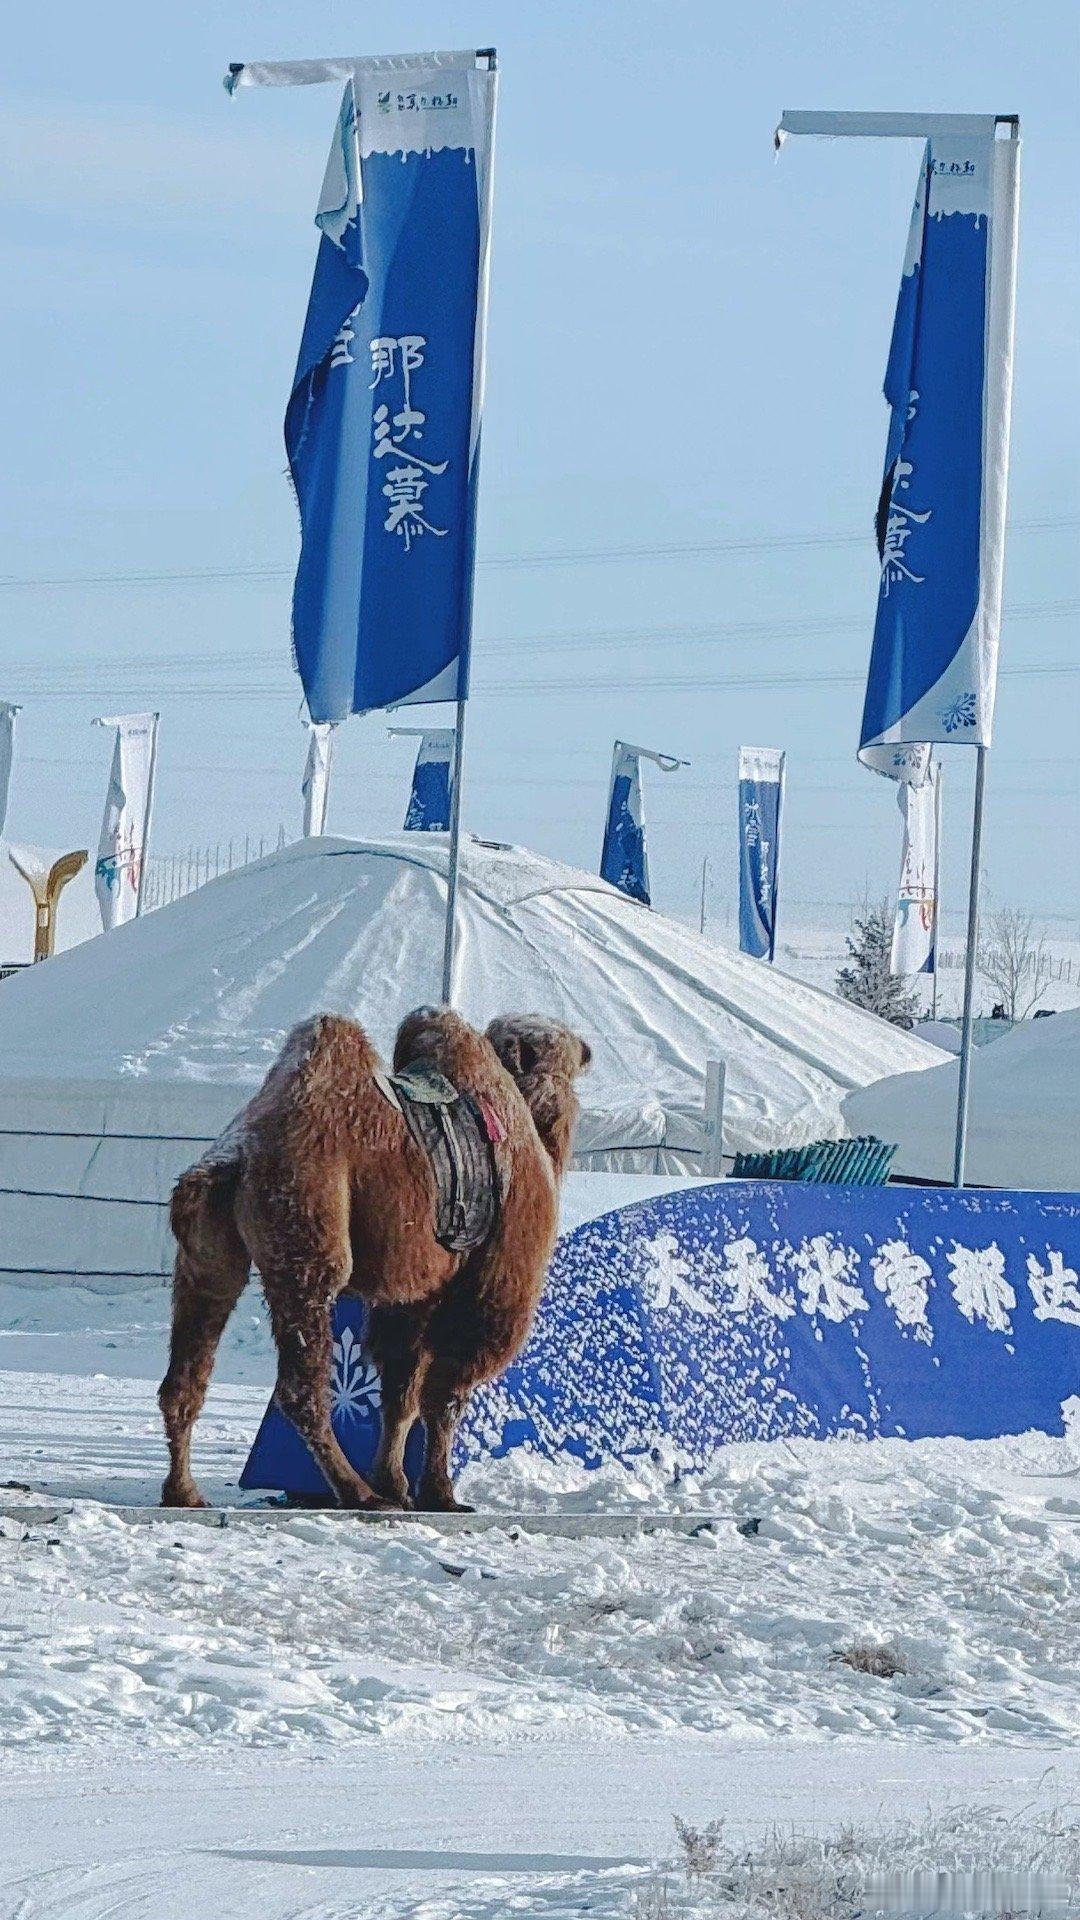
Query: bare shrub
(652,1902)
(701,1848)
(864,1656)
(1014,960)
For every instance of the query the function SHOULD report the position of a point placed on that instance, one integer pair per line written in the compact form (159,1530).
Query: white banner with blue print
(624,858)
(382,427)
(915,927)
(761,791)
(432,791)
(750,1310)
(8,712)
(315,785)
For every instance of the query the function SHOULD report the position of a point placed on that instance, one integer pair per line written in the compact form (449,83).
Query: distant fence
(1060,968)
(171,875)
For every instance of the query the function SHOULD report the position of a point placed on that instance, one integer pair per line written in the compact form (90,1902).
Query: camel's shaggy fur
(319,1184)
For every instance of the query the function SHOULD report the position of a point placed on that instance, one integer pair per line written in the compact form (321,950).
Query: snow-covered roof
(203,991)
(1024,1112)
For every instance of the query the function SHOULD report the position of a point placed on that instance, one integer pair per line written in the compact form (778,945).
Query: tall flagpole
(487,55)
(449,939)
(937,886)
(776,854)
(150,778)
(964,1087)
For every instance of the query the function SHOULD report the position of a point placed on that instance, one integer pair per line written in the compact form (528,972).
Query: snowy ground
(313,1717)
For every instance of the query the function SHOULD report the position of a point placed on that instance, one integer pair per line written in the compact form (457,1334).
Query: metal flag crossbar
(941,513)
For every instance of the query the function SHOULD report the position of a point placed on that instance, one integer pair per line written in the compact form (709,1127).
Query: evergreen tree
(867,981)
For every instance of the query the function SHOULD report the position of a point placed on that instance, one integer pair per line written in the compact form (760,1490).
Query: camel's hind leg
(445,1398)
(206,1288)
(300,1307)
(395,1341)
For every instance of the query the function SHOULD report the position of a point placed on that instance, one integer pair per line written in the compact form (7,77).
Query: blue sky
(687,340)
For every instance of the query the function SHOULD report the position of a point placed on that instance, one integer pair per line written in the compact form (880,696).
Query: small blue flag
(761,792)
(624,860)
(432,792)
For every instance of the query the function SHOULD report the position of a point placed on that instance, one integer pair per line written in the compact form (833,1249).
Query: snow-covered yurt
(121,1058)
(1023,1119)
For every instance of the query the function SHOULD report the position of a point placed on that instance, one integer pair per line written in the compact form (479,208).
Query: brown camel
(320,1185)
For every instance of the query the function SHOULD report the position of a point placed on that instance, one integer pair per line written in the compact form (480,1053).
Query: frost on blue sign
(754,1311)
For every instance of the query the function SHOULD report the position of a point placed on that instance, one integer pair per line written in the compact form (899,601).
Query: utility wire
(570,556)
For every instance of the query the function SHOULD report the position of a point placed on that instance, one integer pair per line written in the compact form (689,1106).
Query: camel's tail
(203,1195)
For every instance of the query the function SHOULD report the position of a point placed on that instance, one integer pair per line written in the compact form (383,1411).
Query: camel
(320,1185)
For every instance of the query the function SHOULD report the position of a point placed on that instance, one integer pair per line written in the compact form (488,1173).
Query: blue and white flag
(624,860)
(432,792)
(941,515)
(761,802)
(383,424)
(914,942)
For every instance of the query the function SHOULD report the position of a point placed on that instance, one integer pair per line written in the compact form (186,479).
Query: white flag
(315,785)
(914,945)
(7,752)
(118,874)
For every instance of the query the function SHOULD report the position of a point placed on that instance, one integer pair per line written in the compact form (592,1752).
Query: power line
(602,639)
(496,690)
(570,556)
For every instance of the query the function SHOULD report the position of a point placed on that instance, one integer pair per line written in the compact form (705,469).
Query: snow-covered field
(316,1717)
(812,947)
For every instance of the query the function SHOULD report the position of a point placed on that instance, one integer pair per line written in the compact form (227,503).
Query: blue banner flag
(761,794)
(432,792)
(941,514)
(383,423)
(624,860)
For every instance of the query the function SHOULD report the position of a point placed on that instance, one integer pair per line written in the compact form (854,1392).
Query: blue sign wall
(751,1310)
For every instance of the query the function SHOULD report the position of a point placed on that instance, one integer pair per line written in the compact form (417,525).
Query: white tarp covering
(155,1036)
(1024,1127)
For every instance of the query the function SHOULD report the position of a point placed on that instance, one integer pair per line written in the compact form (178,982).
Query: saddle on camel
(432,1192)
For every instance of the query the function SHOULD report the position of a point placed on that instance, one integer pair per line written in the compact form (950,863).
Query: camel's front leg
(300,1308)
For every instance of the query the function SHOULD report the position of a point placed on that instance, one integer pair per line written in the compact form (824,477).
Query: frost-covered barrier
(758,1311)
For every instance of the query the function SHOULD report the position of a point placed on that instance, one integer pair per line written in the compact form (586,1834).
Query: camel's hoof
(188,1497)
(398,1497)
(441,1503)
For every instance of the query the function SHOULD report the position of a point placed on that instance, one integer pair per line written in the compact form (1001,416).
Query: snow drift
(1024,1125)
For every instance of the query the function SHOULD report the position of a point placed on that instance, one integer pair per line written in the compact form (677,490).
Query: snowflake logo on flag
(667,1277)
(979,1286)
(1054,1289)
(747,1272)
(960,712)
(354,1381)
(903,1276)
(823,1273)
